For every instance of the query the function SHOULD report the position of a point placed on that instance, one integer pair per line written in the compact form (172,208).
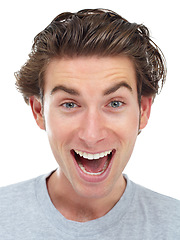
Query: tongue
(95,165)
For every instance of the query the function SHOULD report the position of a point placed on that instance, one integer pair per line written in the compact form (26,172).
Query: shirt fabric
(27,213)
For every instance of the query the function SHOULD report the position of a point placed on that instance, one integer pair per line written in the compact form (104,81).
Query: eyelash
(116,101)
(73,105)
(66,103)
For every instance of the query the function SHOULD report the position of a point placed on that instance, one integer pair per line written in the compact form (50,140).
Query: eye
(69,105)
(115,104)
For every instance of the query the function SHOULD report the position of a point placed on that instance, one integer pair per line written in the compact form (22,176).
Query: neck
(76,207)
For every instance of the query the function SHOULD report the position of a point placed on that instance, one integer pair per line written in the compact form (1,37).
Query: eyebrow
(106,92)
(65,89)
(116,87)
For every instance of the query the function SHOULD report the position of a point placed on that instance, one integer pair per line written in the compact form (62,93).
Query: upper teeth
(90,156)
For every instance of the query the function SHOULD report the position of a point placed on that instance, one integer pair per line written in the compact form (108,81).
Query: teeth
(90,156)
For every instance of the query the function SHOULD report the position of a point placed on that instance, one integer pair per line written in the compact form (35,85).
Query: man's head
(90,81)
(92,118)
(91,32)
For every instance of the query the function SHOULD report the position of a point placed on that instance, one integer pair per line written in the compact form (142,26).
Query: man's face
(92,117)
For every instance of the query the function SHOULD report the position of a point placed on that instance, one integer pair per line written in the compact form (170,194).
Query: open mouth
(93,164)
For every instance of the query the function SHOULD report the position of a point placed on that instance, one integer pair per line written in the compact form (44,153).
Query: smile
(93,164)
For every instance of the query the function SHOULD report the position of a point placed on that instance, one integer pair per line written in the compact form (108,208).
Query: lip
(93,178)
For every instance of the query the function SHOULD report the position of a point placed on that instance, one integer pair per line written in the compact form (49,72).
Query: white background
(24,148)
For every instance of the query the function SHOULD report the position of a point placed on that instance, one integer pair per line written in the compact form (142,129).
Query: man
(90,80)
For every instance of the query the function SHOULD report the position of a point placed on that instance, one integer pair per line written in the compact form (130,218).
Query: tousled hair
(93,32)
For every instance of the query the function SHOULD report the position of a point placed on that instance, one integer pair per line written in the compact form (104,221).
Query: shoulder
(156,199)
(151,198)
(18,203)
(16,195)
(16,189)
(152,215)
(19,195)
(161,209)
(19,208)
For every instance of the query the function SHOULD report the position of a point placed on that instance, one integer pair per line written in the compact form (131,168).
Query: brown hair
(91,32)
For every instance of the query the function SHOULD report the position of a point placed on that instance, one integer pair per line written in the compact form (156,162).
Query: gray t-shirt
(27,213)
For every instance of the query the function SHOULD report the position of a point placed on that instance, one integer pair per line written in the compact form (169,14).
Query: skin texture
(91,105)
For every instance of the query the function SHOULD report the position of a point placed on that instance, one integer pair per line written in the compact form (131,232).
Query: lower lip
(93,178)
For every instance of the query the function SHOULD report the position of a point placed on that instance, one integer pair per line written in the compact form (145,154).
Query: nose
(92,128)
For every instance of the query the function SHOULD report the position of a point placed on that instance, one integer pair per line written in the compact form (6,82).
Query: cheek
(55,130)
(58,134)
(131,125)
(59,129)
(127,124)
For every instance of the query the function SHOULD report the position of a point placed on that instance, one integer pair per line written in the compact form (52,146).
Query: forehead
(95,71)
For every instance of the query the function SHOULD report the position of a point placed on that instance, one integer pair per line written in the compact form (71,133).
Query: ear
(37,110)
(146,103)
